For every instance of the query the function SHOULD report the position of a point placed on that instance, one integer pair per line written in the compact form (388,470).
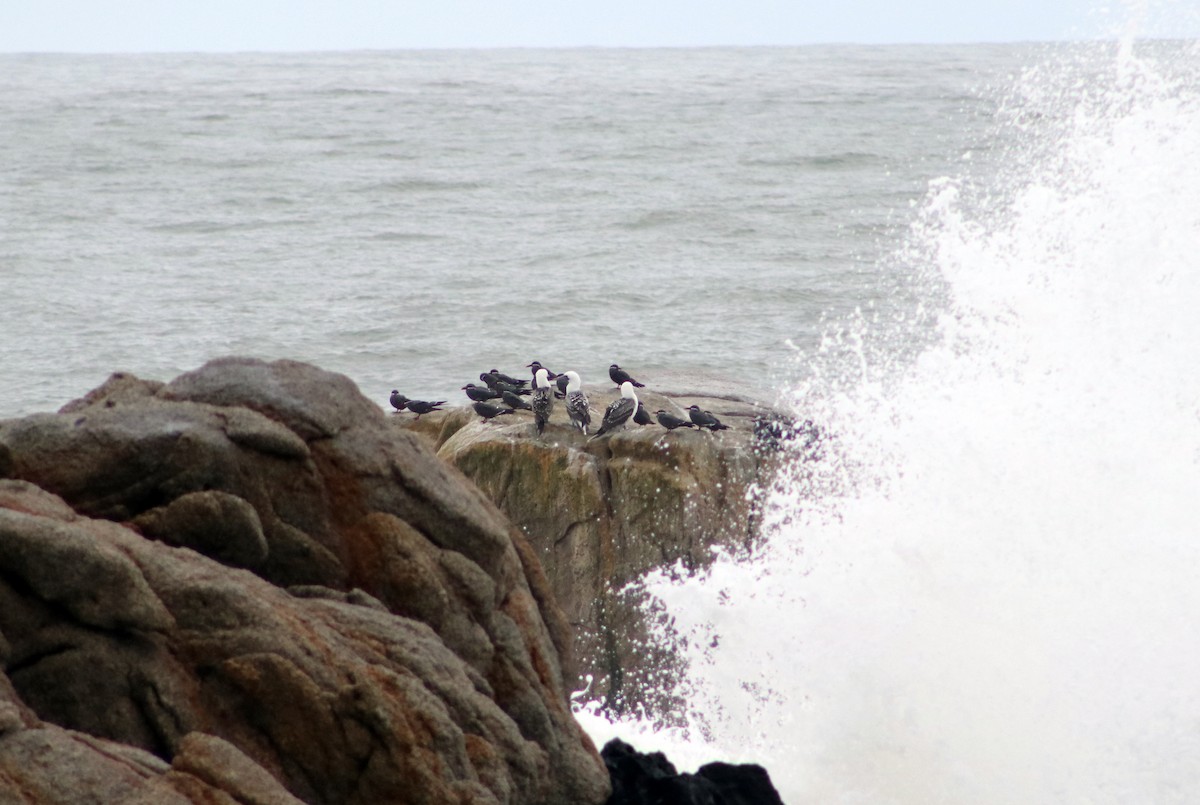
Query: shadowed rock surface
(650,779)
(244,586)
(601,513)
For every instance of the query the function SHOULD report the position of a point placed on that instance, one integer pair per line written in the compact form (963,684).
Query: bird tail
(637,384)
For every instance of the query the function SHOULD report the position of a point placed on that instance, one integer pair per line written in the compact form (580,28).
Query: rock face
(650,779)
(244,586)
(602,513)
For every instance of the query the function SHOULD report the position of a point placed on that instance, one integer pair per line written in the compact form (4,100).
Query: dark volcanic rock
(420,659)
(651,779)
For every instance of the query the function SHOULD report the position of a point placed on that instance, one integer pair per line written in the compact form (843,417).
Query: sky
(135,26)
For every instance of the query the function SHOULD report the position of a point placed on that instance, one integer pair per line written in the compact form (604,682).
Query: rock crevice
(149,537)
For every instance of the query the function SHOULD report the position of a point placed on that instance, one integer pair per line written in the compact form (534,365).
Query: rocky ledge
(248,586)
(601,513)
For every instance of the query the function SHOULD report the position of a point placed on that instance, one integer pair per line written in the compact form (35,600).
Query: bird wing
(577,408)
(617,414)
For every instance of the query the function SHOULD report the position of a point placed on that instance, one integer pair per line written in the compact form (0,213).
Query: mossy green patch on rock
(602,513)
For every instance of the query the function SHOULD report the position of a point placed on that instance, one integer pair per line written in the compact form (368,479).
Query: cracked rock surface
(602,513)
(243,586)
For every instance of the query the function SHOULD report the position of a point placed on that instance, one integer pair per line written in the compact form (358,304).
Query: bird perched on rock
(560,381)
(419,407)
(489,411)
(641,416)
(503,378)
(515,401)
(479,393)
(398,400)
(619,410)
(671,422)
(705,419)
(533,367)
(502,387)
(619,376)
(543,398)
(577,402)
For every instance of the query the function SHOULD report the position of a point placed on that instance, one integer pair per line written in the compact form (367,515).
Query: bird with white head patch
(577,403)
(543,398)
(619,410)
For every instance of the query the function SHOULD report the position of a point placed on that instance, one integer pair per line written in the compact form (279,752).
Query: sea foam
(986,590)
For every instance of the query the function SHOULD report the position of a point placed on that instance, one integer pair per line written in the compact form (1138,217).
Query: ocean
(412,219)
(977,267)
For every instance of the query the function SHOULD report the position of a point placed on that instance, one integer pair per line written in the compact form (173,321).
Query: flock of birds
(546,386)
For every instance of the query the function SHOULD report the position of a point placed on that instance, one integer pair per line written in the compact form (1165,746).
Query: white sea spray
(986,590)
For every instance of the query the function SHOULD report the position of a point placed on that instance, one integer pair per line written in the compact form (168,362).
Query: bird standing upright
(479,393)
(704,419)
(577,403)
(641,416)
(543,398)
(398,400)
(419,407)
(619,376)
(489,411)
(671,422)
(619,410)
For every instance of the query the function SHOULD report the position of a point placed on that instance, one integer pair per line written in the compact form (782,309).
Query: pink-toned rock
(420,660)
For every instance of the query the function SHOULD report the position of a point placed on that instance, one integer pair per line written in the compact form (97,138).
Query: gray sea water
(413,218)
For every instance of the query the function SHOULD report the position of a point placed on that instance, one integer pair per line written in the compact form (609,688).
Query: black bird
(641,416)
(398,400)
(502,387)
(705,419)
(479,393)
(499,382)
(543,398)
(577,402)
(509,379)
(533,367)
(489,411)
(671,422)
(419,407)
(619,411)
(620,376)
(561,381)
(515,401)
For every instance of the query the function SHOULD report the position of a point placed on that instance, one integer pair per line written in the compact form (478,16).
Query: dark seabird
(489,411)
(577,402)
(561,381)
(641,416)
(705,419)
(509,379)
(543,398)
(479,393)
(619,411)
(620,376)
(533,367)
(501,386)
(515,401)
(419,407)
(398,400)
(671,422)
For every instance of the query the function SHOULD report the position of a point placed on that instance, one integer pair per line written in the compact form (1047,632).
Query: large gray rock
(601,513)
(419,660)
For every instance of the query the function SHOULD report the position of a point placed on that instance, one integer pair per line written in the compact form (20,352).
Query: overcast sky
(236,25)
